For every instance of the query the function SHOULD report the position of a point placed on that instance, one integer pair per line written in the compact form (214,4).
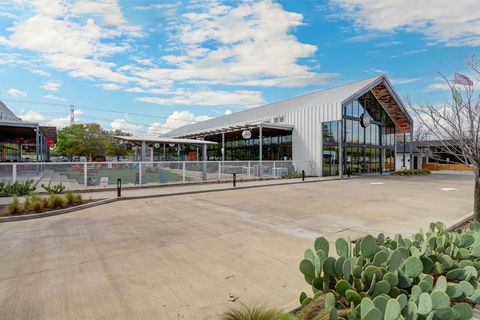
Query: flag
(462,79)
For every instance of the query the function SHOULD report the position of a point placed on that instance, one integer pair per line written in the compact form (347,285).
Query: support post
(37,141)
(404,150)
(85,176)
(219,171)
(204,163)
(234,179)
(14,173)
(260,143)
(340,152)
(248,169)
(164,153)
(223,146)
(144,145)
(183,171)
(274,169)
(140,173)
(411,147)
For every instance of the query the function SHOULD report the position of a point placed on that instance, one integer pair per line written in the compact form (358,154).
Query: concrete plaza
(181,257)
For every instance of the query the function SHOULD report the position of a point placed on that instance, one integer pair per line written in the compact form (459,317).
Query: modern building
(349,129)
(23,141)
(426,153)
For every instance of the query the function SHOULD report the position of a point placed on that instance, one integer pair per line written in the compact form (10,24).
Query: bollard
(119,187)
(234,180)
(303,175)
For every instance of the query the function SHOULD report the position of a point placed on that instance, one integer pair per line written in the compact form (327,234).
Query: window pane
(355,111)
(349,109)
(334,130)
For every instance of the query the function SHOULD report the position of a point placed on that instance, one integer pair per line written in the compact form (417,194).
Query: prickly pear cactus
(430,275)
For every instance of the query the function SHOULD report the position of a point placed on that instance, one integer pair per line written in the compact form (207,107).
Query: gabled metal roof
(6,115)
(335,95)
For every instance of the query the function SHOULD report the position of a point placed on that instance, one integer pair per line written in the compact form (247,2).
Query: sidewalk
(180,189)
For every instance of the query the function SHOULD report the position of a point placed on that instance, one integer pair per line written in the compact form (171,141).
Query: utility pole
(72,114)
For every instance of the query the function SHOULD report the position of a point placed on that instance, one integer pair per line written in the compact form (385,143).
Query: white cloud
(399,81)
(441,21)
(158,6)
(16,93)
(208,98)
(109,10)
(124,125)
(109,86)
(52,97)
(40,72)
(32,116)
(66,36)
(252,45)
(51,86)
(175,120)
(65,122)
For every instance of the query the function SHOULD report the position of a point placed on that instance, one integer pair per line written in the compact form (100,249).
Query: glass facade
(368,139)
(277,145)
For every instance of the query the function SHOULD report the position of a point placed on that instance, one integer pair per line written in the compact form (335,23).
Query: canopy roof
(148,139)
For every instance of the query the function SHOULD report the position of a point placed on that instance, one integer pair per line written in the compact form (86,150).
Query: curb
(218,190)
(56,212)
(461,221)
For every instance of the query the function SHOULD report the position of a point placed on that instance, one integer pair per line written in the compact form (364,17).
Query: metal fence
(86,175)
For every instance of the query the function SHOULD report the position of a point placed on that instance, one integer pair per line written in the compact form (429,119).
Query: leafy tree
(70,141)
(116,147)
(88,140)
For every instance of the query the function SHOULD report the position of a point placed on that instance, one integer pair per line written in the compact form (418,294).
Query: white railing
(86,175)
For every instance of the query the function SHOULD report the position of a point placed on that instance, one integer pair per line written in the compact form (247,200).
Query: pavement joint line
(75,264)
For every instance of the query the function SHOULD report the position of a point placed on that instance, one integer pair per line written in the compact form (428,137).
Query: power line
(98,109)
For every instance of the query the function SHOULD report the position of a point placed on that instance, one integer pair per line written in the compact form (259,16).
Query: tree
(70,141)
(88,140)
(457,124)
(115,147)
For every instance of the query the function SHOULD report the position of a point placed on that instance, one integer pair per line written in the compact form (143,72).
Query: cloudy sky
(150,66)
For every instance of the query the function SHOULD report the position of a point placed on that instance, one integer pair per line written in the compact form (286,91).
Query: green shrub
(77,198)
(255,313)
(17,189)
(55,189)
(14,207)
(37,205)
(292,175)
(415,172)
(432,275)
(56,201)
(27,203)
(70,197)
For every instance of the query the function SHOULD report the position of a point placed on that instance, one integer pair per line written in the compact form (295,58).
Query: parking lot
(183,257)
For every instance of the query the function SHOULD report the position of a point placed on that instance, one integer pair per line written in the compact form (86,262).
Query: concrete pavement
(180,257)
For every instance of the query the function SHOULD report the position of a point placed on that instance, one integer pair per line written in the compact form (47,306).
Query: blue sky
(150,66)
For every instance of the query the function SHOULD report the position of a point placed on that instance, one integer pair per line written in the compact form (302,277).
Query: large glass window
(368,147)
(331,135)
